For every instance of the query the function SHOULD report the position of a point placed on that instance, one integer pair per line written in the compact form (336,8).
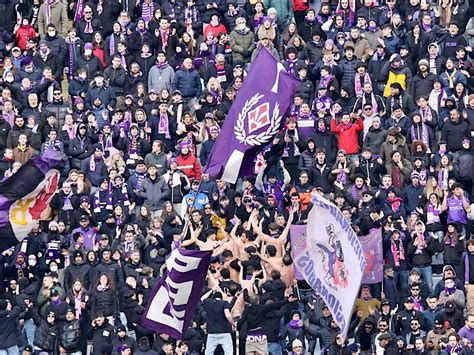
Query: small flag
(25,195)
(372,245)
(174,299)
(298,244)
(254,119)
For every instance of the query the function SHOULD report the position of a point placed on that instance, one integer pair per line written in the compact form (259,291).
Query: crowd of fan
(135,94)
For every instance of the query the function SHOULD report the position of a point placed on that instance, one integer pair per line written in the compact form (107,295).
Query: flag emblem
(259,117)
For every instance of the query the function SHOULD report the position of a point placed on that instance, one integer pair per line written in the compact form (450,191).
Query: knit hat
(88,45)
(415,175)
(423,62)
(296,343)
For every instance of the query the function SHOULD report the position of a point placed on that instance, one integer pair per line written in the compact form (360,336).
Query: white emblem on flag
(259,117)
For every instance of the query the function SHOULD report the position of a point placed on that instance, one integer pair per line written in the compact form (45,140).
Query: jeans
(223,339)
(274,348)
(29,330)
(400,277)
(427,274)
(13,350)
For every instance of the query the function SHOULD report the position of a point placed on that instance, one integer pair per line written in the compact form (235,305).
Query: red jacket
(300,5)
(24,34)
(348,138)
(189,166)
(215,30)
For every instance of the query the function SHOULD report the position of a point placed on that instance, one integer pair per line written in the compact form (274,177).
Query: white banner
(333,260)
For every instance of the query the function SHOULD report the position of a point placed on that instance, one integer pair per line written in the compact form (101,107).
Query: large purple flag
(298,244)
(372,245)
(254,118)
(174,299)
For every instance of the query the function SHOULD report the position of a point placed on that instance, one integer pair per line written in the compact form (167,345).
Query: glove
(246,53)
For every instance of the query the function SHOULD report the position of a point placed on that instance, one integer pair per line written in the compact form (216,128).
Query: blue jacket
(188,82)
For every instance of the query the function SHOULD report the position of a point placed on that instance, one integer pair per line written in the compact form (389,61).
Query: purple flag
(298,244)
(372,245)
(174,299)
(254,118)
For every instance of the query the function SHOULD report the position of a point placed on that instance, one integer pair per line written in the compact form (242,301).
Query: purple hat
(78,100)
(88,45)
(183,144)
(215,129)
(172,160)
(26,61)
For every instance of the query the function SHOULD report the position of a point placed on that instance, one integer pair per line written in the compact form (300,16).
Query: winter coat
(92,65)
(8,14)
(327,141)
(390,75)
(453,133)
(189,166)
(104,302)
(80,149)
(46,335)
(422,86)
(399,144)
(8,326)
(77,272)
(188,82)
(374,139)
(241,42)
(159,79)
(81,26)
(348,138)
(14,134)
(58,18)
(70,336)
(463,163)
(424,258)
(105,93)
(155,192)
(101,337)
(306,91)
(284,9)
(52,61)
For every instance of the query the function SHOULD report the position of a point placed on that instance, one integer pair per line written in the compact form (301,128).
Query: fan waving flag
(254,118)
(25,195)
(174,299)
(333,261)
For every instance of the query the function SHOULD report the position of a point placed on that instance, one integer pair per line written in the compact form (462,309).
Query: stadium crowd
(135,94)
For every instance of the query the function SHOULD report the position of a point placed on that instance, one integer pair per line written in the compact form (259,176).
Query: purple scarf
(163,126)
(147,11)
(79,10)
(358,83)
(88,29)
(423,136)
(49,9)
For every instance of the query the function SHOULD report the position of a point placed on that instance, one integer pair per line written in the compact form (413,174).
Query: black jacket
(8,326)
(46,334)
(101,337)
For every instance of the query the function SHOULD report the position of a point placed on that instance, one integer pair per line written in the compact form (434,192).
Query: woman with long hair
(77,298)
(98,48)
(104,298)
(434,226)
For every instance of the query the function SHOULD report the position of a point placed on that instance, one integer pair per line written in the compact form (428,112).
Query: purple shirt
(466,332)
(90,237)
(456,212)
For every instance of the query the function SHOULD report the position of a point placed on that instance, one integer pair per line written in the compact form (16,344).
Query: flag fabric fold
(333,260)
(174,299)
(254,119)
(26,195)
